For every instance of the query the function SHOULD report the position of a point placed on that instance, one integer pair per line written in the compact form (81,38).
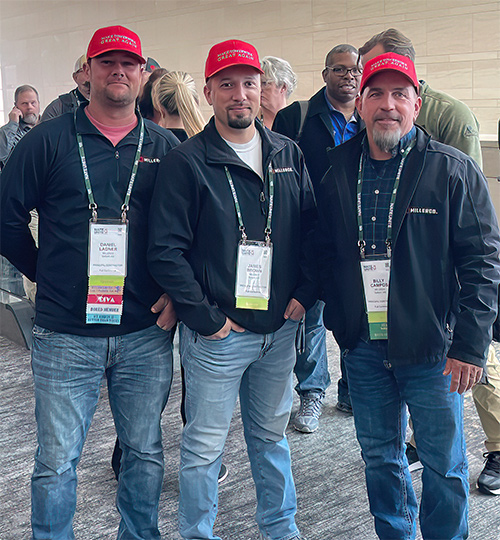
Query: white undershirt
(250,153)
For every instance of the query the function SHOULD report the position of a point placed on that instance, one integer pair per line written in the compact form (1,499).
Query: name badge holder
(108,249)
(254,258)
(376,271)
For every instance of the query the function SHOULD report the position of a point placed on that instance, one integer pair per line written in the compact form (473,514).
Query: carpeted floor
(327,466)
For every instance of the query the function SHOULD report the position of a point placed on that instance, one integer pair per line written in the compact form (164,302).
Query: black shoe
(116,458)
(344,407)
(489,479)
(414,463)
(223,472)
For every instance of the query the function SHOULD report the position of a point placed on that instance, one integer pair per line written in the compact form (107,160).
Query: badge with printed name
(107,269)
(376,274)
(253,275)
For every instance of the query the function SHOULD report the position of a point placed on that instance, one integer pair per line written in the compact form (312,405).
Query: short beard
(386,140)
(30,119)
(239,123)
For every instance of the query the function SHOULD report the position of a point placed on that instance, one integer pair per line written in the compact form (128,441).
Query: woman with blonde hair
(175,98)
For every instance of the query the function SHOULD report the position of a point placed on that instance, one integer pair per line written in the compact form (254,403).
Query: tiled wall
(457,41)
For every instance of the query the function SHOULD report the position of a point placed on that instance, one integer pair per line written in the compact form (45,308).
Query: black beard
(240,123)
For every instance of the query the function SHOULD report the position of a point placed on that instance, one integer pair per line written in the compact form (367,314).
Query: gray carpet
(327,466)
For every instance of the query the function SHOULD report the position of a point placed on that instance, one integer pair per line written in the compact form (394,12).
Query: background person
(277,85)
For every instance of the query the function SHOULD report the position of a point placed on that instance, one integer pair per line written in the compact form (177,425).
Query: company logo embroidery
(282,170)
(143,159)
(420,210)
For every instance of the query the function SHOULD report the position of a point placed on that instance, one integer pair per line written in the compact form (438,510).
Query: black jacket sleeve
(21,183)
(173,219)
(474,238)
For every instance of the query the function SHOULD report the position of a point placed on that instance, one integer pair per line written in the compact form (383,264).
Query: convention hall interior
(457,43)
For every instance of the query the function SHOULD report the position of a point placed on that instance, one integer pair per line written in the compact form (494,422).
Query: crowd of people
(362,210)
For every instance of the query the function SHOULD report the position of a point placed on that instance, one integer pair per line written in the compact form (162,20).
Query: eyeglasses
(342,71)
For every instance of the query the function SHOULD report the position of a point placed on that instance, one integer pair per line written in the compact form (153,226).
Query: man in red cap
(91,176)
(408,250)
(231,220)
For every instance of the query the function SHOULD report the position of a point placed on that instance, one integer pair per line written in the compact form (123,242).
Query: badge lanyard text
(254,258)
(376,271)
(108,244)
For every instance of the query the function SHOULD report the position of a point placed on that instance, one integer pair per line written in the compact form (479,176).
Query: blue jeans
(258,367)
(311,367)
(68,370)
(380,393)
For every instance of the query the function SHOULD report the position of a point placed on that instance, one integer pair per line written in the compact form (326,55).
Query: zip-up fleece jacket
(445,260)
(194,231)
(45,172)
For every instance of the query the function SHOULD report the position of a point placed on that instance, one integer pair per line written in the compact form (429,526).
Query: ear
(86,68)
(283,89)
(74,77)
(324,73)
(207,92)
(418,106)
(359,105)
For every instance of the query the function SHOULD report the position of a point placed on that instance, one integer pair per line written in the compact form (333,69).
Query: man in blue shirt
(328,119)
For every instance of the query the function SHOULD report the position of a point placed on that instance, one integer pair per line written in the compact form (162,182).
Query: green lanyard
(267,230)
(388,241)
(133,174)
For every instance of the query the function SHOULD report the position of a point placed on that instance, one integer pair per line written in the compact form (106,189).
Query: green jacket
(450,121)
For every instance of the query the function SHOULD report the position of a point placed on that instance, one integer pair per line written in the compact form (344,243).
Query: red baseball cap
(231,53)
(115,38)
(389,62)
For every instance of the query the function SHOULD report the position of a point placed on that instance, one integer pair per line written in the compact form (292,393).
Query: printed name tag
(253,275)
(376,275)
(107,269)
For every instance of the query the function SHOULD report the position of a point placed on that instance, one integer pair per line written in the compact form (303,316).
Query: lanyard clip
(244,236)
(389,248)
(124,213)
(93,209)
(361,245)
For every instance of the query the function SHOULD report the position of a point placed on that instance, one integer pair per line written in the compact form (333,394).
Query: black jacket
(445,234)
(194,229)
(317,134)
(44,172)
(63,104)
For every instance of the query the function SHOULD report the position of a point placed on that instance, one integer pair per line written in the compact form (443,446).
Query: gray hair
(280,72)
(25,88)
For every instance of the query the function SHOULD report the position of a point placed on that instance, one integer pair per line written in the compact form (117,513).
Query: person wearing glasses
(328,119)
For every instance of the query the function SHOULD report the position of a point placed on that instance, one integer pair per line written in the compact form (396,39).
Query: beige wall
(457,41)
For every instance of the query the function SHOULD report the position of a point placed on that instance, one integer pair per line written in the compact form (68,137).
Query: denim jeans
(68,370)
(380,393)
(311,367)
(258,368)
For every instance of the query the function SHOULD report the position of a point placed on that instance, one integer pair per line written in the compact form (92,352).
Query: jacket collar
(349,154)
(85,127)
(217,150)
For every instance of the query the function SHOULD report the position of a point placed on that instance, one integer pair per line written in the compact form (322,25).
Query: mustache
(395,117)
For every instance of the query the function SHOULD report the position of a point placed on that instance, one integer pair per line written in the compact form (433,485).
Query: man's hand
(15,114)
(165,308)
(463,376)
(295,310)
(224,331)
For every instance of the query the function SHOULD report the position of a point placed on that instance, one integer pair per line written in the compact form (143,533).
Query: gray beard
(386,140)
(30,119)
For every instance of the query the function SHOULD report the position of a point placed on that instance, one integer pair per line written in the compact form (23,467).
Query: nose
(387,102)
(239,93)
(118,70)
(349,76)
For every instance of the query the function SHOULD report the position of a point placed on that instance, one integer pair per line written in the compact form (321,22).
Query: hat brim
(112,49)
(222,68)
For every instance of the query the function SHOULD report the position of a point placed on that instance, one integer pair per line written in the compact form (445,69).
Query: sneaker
(223,472)
(414,463)
(344,407)
(307,418)
(489,479)
(262,537)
